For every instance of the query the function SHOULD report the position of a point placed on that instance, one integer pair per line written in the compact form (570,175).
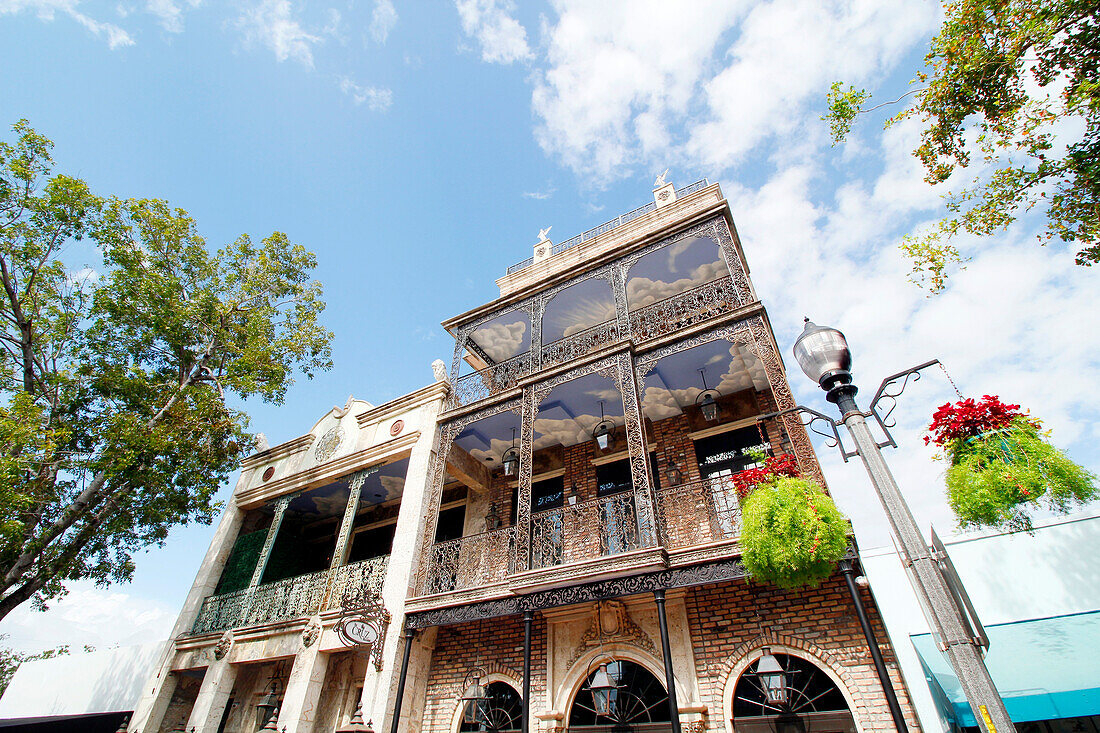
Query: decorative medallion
(612,623)
(328,443)
(540,251)
(311,632)
(268,473)
(663,195)
(397,427)
(223,645)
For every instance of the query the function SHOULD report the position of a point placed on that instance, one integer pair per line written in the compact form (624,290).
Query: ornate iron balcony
(302,595)
(699,512)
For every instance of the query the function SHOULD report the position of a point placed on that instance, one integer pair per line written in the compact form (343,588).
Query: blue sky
(418,148)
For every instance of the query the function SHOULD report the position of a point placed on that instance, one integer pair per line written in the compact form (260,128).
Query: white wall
(1009,577)
(104,681)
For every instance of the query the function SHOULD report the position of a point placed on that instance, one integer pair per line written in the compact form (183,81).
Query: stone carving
(223,645)
(260,441)
(311,632)
(329,442)
(661,180)
(612,624)
(544,232)
(339,412)
(439,369)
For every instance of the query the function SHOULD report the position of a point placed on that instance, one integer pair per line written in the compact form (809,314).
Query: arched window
(638,700)
(501,711)
(813,702)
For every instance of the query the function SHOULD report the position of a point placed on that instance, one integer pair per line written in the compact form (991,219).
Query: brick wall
(731,620)
(496,645)
(727,622)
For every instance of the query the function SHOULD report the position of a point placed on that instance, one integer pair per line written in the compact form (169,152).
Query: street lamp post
(824,356)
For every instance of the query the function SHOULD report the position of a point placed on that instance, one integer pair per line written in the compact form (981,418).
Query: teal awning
(1044,669)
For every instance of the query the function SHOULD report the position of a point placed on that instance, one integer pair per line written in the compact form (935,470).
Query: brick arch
(575,676)
(494,672)
(829,662)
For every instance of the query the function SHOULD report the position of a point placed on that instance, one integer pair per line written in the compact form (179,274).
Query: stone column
(158,691)
(303,690)
(217,684)
(380,685)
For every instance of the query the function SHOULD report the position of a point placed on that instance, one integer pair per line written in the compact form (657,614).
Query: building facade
(555,514)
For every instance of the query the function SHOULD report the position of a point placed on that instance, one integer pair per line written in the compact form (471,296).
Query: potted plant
(1001,465)
(792,533)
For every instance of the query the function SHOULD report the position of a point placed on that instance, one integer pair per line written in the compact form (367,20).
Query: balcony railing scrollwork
(584,531)
(468,562)
(491,380)
(683,309)
(699,512)
(579,344)
(302,595)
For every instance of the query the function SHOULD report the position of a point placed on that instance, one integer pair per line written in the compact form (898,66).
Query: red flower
(967,418)
(774,467)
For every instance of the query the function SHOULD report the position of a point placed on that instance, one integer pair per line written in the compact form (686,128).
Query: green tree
(1008,81)
(114,424)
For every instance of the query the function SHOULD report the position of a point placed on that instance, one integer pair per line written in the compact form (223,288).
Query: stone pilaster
(303,690)
(217,684)
(158,691)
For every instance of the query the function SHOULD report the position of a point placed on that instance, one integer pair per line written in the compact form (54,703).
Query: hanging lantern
(511,458)
(356,724)
(603,430)
(708,400)
(672,473)
(268,704)
(474,698)
(603,689)
(773,678)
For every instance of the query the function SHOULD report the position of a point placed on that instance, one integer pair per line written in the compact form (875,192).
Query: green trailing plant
(792,533)
(997,478)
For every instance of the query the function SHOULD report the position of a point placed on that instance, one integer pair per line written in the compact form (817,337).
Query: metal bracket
(832,440)
(886,391)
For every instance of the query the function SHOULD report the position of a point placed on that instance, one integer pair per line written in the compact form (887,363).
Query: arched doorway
(639,704)
(814,702)
(501,711)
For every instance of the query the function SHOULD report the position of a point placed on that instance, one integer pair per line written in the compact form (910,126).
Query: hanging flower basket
(1002,466)
(792,533)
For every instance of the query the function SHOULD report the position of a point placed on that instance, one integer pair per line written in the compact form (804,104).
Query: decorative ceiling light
(773,678)
(603,430)
(269,703)
(356,724)
(511,458)
(708,400)
(474,698)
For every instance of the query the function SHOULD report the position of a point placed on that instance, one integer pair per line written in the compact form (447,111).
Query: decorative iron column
(644,499)
(523,495)
(528,619)
(355,489)
(670,678)
(537,309)
(269,542)
(617,278)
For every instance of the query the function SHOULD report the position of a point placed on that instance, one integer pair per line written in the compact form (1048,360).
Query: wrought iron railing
(609,225)
(302,595)
(468,562)
(491,380)
(683,309)
(699,512)
(352,583)
(578,344)
(583,531)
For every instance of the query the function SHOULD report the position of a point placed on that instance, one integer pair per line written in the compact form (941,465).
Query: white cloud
(272,24)
(500,340)
(169,12)
(502,39)
(377,99)
(48,9)
(90,615)
(382,20)
(539,195)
